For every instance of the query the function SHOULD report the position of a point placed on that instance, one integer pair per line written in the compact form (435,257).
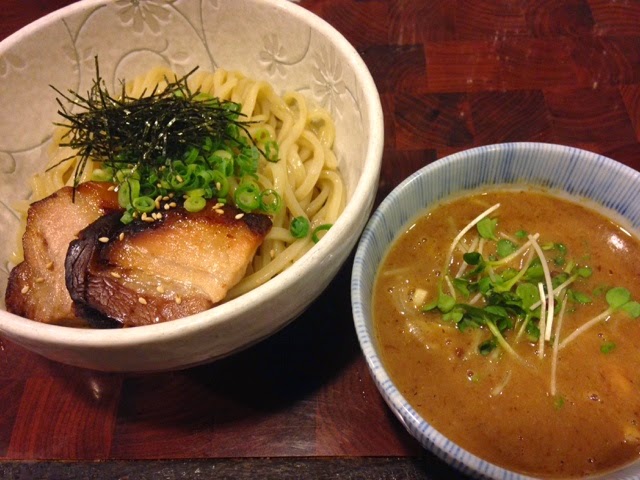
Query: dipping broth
(565,404)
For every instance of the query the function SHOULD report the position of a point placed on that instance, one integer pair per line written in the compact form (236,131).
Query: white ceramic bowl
(578,172)
(277,41)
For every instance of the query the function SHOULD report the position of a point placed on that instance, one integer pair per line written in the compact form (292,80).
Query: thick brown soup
(478,365)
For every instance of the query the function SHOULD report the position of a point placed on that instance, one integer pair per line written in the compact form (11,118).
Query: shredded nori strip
(146,133)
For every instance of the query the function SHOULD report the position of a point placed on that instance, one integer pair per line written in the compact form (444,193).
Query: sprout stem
(550,299)
(586,326)
(556,341)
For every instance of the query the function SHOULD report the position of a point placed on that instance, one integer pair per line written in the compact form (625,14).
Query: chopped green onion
(102,175)
(221,183)
(222,160)
(247,197)
(194,203)
(272,151)
(144,204)
(270,201)
(299,227)
(262,135)
(127,217)
(128,191)
(318,229)
(247,161)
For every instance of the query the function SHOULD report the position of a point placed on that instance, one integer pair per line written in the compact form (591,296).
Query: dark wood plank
(420,468)
(65,418)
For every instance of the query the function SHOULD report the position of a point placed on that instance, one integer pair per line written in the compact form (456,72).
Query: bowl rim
(431,438)
(359,201)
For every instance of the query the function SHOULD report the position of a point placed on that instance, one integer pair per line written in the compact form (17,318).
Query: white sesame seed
(50,266)
(178,299)
(111,188)
(25,289)
(39,280)
(104,239)
(165,198)
(142,301)
(115,274)
(179,178)
(167,206)
(160,289)
(272,253)
(173,204)
(219,210)
(121,236)
(239,216)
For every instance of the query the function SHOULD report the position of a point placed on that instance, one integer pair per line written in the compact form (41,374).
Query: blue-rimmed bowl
(577,172)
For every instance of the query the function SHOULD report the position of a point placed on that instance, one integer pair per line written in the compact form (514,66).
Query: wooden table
(452,74)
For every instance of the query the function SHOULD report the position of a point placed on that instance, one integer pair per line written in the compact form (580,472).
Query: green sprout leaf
(488,346)
(506,247)
(617,297)
(487,228)
(533,331)
(584,272)
(607,347)
(632,308)
(578,297)
(535,273)
(453,316)
(462,286)
(445,302)
(528,294)
(472,258)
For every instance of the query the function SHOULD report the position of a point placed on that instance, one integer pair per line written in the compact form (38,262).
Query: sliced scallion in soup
(508,319)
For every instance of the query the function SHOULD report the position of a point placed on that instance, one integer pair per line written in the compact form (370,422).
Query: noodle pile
(306,177)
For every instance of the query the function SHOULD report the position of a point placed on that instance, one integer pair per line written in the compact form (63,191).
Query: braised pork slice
(36,287)
(149,272)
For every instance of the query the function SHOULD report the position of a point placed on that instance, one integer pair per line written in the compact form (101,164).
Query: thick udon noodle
(306,176)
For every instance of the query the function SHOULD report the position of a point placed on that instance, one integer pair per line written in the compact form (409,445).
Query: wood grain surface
(452,74)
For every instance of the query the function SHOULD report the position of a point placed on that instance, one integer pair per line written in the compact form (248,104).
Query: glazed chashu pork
(147,272)
(36,287)
(150,272)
